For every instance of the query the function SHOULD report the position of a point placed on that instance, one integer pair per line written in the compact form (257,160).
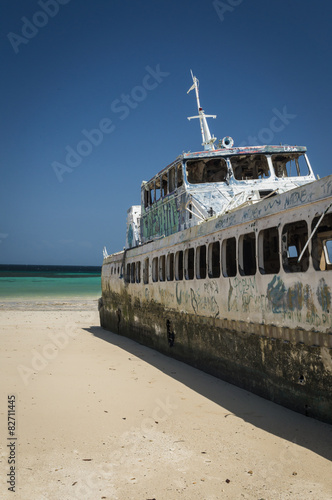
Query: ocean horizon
(31,282)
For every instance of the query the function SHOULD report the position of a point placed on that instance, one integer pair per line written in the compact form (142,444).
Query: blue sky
(115,74)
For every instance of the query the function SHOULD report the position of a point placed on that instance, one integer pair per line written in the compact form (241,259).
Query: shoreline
(75,303)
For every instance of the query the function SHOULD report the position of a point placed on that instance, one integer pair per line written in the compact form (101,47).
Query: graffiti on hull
(201,303)
(163,219)
(243,294)
(297,302)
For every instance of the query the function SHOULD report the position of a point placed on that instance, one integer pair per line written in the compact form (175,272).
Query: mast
(208,140)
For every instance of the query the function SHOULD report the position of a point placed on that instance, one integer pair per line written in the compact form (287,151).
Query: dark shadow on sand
(273,418)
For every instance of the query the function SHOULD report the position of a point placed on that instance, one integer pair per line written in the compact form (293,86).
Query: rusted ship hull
(255,316)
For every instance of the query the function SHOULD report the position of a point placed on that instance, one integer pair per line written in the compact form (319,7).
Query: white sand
(102,417)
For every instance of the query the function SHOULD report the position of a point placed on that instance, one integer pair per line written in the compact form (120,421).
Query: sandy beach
(98,416)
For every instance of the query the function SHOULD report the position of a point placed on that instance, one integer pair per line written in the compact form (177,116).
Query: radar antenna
(208,140)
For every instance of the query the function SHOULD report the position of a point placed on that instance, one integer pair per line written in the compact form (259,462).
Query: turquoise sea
(49,282)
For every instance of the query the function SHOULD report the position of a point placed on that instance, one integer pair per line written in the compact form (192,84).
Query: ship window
(127,275)
(158,190)
(179,265)
(164,185)
(155,269)
(171,179)
(268,251)
(162,268)
(146,197)
(294,238)
(201,262)
(189,263)
(138,272)
(247,254)
(229,257)
(170,267)
(290,165)
(146,271)
(248,167)
(180,176)
(322,244)
(214,259)
(132,273)
(328,248)
(149,195)
(206,170)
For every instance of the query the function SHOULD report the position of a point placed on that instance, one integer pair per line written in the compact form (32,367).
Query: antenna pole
(208,140)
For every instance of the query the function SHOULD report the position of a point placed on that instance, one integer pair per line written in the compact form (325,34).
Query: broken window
(206,170)
(152,192)
(158,189)
(189,263)
(322,243)
(138,272)
(149,194)
(201,262)
(247,254)
(290,165)
(146,271)
(214,259)
(162,268)
(155,269)
(179,265)
(164,185)
(294,238)
(146,197)
(249,167)
(268,251)
(127,274)
(170,267)
(179,175)
(132,273)
(171,179)
(229,257)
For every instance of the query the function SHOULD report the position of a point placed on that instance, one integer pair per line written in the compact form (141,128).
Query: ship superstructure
(209,183)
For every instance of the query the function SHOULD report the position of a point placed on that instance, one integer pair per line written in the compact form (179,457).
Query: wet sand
(99,416)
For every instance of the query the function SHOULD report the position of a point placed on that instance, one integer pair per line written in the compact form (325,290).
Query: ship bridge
(213,182)
(201,185)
